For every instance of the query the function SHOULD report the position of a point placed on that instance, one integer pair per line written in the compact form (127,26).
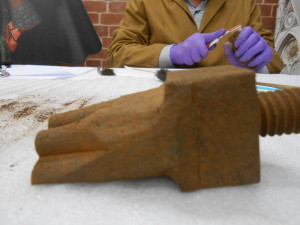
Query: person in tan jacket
(176,33)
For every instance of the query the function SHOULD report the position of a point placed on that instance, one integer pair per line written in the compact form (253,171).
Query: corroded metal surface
(280,112)
(196,128)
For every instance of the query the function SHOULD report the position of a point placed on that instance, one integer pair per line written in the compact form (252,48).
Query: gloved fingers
(233,60)
(193,41)
(194,48)
(259,67)
(183,56)
(198,50)
(212,47)
(263,57)
(229,52)
(195,54)
(199,43)
(209,37)
(256,49)
(181,53)
(203,51)
(243,36)
(251,41)
(188,60)
(201,47)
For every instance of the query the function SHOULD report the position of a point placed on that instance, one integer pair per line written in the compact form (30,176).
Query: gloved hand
(194,48)
(250,47)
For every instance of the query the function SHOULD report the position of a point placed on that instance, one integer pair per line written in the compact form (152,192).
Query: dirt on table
(20,116)
(19,109)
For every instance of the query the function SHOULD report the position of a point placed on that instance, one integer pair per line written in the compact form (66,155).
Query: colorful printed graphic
(46,32)
(262,88)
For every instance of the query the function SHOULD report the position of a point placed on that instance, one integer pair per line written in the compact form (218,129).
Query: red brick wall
(106,15)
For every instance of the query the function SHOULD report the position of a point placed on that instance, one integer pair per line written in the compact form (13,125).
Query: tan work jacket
(149,25)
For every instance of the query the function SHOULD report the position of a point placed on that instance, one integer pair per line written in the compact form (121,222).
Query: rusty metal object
(280,112)
(232,38)
(198,128)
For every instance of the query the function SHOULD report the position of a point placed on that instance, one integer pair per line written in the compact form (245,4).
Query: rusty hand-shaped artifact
(200,128)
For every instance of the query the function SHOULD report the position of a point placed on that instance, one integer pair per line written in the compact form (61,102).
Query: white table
(25,104)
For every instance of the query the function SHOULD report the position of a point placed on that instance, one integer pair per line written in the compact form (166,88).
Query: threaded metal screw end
(280,112)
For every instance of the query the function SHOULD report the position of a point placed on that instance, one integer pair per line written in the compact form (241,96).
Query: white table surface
(275,200)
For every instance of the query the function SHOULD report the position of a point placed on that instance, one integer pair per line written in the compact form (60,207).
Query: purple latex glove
(194,48)
(250,46)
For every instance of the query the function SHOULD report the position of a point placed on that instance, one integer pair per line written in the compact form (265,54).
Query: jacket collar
(211,9)
(183,5)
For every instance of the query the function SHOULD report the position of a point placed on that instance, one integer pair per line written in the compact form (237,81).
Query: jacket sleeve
(276,64)
(131,44)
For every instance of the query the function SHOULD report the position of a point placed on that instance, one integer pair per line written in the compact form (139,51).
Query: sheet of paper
(283,79)
(144,71)
(45,72)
